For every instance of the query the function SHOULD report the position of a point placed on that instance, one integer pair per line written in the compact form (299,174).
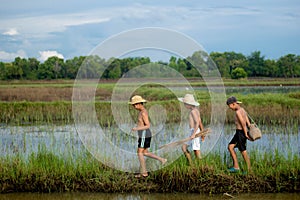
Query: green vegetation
(265,108)
(47,172)
(238,73)
(230,65)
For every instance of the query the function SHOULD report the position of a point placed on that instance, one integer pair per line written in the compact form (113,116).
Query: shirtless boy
(144,135)
(239,140)
(195,124)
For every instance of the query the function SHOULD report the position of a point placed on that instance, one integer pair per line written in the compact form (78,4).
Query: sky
(70,28)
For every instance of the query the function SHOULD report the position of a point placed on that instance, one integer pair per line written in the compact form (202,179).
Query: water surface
(64,139)
(154,196)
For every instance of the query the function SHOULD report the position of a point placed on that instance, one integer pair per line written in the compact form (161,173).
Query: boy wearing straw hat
(239,140)
(144,135)
(195,124)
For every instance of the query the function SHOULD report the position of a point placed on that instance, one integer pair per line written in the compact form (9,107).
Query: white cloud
(6,56)
(32,26)
(136,15)
(11,32)
(44,55)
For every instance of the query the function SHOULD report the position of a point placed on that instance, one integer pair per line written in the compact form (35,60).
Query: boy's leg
(187,153)
(247,159)
(233,156)
(143,170)
(151,155)
(198,154)
(196,147)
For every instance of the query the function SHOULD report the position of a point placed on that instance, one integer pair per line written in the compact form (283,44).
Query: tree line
(230,65)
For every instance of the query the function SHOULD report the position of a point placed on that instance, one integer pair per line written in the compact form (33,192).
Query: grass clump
(47,172)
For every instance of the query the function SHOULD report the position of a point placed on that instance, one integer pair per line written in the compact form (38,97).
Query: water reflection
(63,140)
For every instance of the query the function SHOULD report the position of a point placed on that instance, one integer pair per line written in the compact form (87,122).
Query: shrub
(238,73)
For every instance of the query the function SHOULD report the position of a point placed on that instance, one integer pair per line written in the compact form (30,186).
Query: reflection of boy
(239,140)
(195,124)
(144,135)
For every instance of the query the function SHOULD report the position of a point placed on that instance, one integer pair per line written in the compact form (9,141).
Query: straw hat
(189,99)
(137,99)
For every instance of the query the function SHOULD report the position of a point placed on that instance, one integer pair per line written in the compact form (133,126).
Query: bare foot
(141,175)
(163,161)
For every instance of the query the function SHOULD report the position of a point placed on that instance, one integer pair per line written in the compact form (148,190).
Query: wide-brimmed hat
(231,100)
(137,99)
(189,99)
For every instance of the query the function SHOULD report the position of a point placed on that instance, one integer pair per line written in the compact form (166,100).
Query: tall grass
(25,112)
(265,109)
(50,168)
(47,172)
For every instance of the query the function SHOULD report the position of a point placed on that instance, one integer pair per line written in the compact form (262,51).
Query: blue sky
(69,28)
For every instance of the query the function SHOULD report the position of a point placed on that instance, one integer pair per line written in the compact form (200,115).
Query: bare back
(195,121)
(143,119)
(241,118)
(194,118)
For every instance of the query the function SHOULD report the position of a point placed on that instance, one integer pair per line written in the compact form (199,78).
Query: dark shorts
(144,138)
(239,140)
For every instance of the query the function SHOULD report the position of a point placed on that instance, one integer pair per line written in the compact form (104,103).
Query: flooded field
(45,152)
(63,140)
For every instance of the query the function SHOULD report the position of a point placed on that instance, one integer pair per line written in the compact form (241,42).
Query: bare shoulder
(144,113)
(195,112)
(243,111)
(240,110)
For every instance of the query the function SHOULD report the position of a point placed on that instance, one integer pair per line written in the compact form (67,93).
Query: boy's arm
(248,121)
(243,123)
(201,127)
(200,123)
(196,118)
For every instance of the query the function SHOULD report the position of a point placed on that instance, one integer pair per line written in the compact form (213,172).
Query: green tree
(33,65)
(221,63)
(198,60)
(51,68)
(256,64)
(288,65)
(181,65)
(297,67)
(173,63)
(228,61)
(115,63)
(27,67)
(90,67)
(270,68)
(21,65)
(72,66)
(2,71)
(238,73)
(115,71)
(12,71)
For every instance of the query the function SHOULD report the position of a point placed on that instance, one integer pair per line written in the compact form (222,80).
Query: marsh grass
(265,109)
(46,172)
(50,101)
(52,169)
(272,109)
(26,112)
